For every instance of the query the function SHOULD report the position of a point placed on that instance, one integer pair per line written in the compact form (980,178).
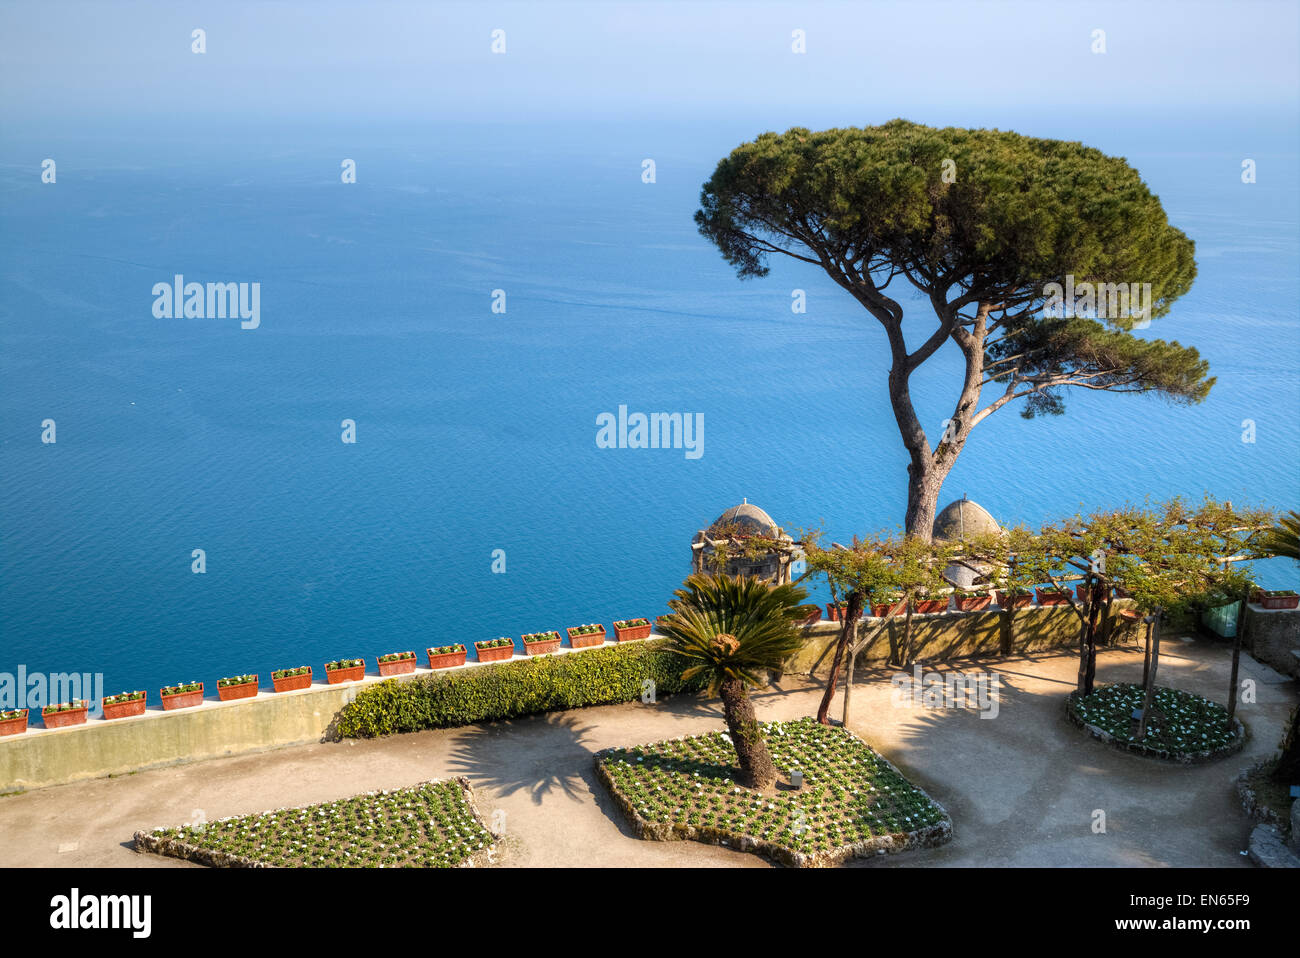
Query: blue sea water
(476,430)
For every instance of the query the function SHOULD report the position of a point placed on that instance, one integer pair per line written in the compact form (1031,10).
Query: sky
(617,62)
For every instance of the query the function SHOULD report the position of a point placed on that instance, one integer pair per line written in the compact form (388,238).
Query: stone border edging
(1136,748)
(1250,804)
(175,848)
(932,836)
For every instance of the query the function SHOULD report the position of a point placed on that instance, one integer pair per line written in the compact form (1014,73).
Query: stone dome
(962,519)
(748,519)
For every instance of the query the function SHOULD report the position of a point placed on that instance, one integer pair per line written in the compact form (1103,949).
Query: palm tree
(734,630)
(1284,538)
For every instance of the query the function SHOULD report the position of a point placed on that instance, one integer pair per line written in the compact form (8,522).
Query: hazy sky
(616,60)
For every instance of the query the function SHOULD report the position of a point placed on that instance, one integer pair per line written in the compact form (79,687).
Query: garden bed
(1194,729)
(430,825)
(853,803)
(1264,800)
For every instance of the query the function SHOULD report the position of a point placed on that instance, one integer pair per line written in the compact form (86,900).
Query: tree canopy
(996,230)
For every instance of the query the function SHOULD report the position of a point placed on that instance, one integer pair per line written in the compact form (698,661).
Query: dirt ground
(1024,788)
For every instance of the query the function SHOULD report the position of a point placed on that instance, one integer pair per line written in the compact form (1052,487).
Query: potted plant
(289,680)
(123,705)
(65,713)
(973,600)
(495,650)
(1277,599)
(1014,598)
(629,630)
(894,603)
(586,636)
(237,687)
(446,656)
(396,663)
(929,606)
(1052,596)
(13,721)
(812,614)
(344,670)
(540,643)
(183,696)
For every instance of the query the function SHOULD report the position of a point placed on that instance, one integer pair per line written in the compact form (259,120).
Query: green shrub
(511,689)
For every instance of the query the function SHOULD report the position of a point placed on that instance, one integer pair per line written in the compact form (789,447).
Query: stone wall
(1273,637)
(958,635)
(41,757)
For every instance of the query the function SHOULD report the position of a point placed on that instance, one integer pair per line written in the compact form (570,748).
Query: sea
(472,304)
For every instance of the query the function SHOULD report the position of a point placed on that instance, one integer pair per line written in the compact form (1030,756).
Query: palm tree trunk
(756,768)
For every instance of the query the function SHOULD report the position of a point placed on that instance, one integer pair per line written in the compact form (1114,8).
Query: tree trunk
(1146,656)
(1004,630)
(1150,691)
(848,681)
(1236,662)
(927,468)
(847,630)
(756,768)
(1081,677)
(1094,611)
(922,501)
(905,645)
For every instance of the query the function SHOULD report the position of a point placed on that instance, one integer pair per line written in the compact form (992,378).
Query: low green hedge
(510,689)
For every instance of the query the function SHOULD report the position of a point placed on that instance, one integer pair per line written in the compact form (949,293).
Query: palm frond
(760,616)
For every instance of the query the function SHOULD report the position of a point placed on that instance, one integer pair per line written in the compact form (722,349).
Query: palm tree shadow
(541,755)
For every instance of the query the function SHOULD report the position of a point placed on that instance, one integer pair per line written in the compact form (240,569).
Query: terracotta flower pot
(116,710)
(813,617)
(446,660)
(881,609)
(631,633)
(351,673)
(1014,601)
(65,718)
(1081,592)
(291,683)
(542,646)
(1052,597)
(587,640)
(14,726)
(931,606)
(183,700)
(396,666)
(497,654)
(1278,601)
(832,612)
(972,603)
(244,690)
